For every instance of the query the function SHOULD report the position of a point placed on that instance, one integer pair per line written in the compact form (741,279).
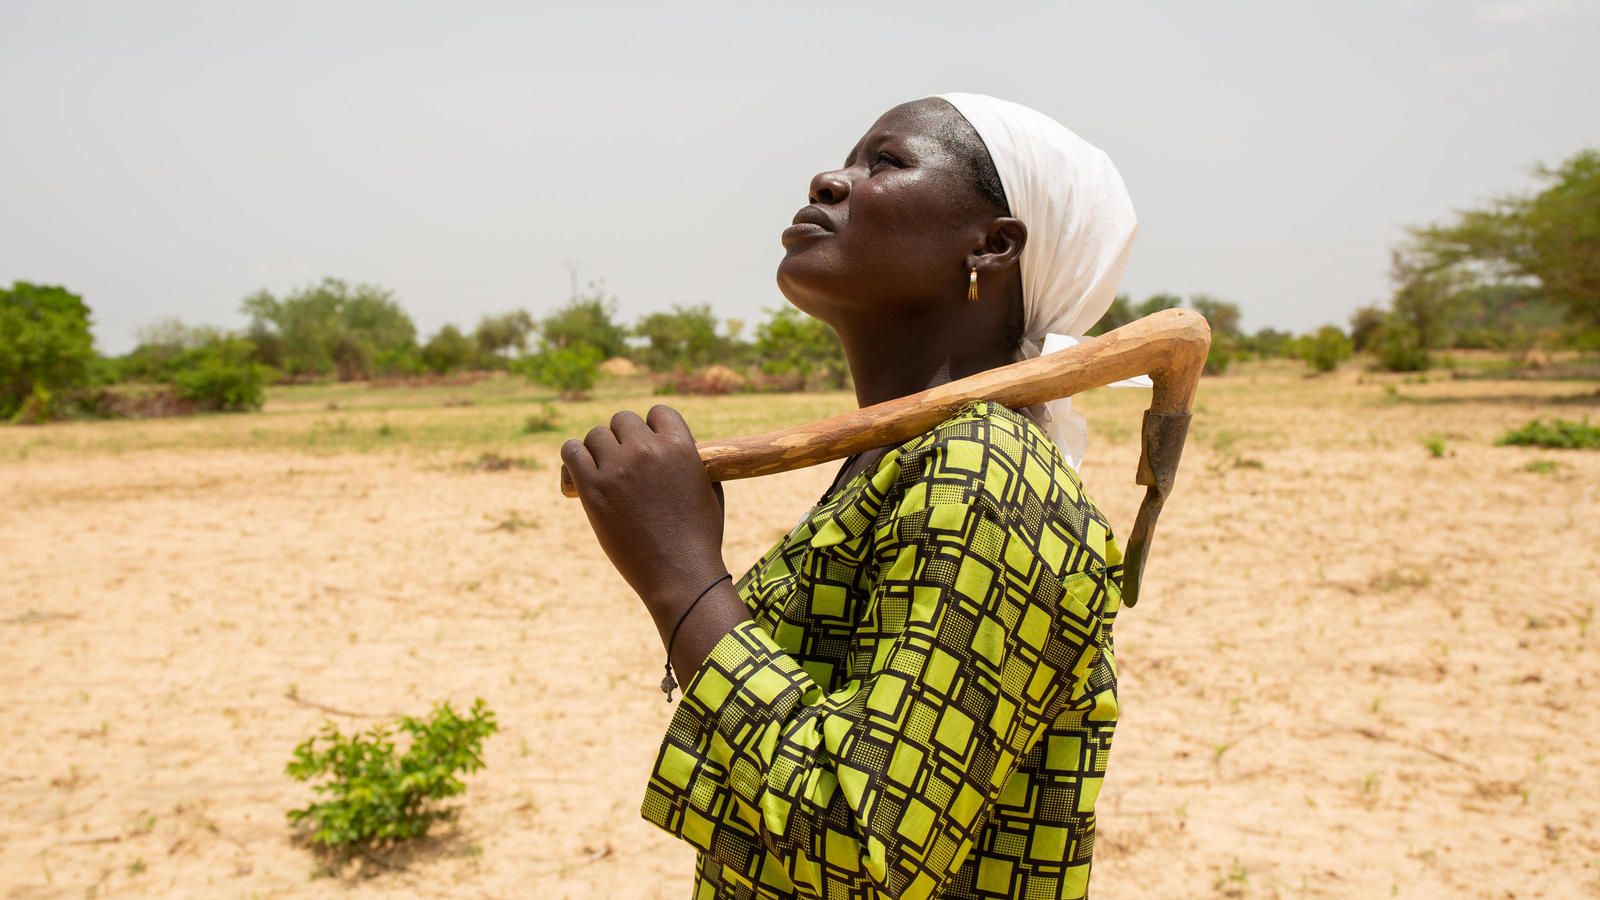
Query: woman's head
(896,231)
(944,187)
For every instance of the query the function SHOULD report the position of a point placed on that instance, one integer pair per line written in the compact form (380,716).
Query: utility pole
(572,272)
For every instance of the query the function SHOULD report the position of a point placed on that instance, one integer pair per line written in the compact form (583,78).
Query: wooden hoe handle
(1170,346)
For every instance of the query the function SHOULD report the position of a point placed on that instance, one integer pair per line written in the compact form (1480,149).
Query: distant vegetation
(1558,434)
(1519,274)
(1522,271)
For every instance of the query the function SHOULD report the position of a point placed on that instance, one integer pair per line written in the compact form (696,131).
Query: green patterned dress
(923,703)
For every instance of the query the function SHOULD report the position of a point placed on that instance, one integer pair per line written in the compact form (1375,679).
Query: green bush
(1324,349)
(1219,357)
(1398,350)
(46,350)
(571,369)
(1559,434)
(375,797)
(223,385)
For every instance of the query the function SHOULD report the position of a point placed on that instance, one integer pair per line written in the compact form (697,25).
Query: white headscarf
(1080,230)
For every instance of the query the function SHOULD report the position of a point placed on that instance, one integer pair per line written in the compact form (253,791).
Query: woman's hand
(651,504)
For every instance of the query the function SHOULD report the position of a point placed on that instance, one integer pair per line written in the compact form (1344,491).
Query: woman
(913,694)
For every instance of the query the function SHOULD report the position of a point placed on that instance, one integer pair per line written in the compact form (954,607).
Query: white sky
(166,159)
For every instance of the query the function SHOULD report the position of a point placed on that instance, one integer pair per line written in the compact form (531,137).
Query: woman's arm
(888,779)
(659,519)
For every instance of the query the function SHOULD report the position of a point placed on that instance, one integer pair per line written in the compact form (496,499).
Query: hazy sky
(166,159)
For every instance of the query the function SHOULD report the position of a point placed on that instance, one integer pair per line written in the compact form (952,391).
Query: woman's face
(889,233)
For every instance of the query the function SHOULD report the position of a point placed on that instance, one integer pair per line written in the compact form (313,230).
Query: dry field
(1359,669)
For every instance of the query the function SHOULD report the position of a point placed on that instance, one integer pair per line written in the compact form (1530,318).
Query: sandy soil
(1358,670)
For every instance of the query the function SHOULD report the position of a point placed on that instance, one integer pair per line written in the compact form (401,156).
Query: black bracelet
(667,682)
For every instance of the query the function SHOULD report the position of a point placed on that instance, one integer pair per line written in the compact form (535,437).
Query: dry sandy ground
(1358,670)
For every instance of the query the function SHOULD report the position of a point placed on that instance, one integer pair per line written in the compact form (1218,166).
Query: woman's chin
(799,278)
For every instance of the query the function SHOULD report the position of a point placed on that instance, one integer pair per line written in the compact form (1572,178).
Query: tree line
(334,330)
(1520,271)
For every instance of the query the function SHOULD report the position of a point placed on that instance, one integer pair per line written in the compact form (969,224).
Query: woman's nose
(829,187)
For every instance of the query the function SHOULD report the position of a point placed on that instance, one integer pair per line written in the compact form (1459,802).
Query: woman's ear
(1002,246)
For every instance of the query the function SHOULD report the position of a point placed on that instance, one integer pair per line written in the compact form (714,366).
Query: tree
(1224,320)
(791,342)
(1156,303)
(45,347)
(1364,326)
(586,319)
(449,351)
(163,347)
(497,336)
(1551,238)
(1223,316)
(684,338)
(1118,314)
(1424,297)
(1267,343)
(331,328)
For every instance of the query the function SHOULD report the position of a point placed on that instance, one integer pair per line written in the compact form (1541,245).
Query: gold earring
(972,285)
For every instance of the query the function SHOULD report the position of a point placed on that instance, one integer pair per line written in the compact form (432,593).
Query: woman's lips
(803,231)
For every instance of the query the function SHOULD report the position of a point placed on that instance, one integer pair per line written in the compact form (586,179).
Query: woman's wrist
(717,613)
(677,585)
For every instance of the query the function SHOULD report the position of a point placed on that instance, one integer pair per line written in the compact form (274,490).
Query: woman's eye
(884,159)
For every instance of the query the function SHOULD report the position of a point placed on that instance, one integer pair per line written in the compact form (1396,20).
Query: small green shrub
(542,420)
(374,797)
(1435,446)
(1559,434)
(1542,467)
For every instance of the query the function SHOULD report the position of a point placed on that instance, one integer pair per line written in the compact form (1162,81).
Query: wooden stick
(1170,346)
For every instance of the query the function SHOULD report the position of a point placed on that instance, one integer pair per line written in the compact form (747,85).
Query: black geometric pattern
(924,701)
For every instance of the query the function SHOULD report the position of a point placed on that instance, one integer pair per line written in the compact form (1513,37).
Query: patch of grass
(1559,434)
(541,420)
(1234,881)
(1435,446)
(493,462)
(1542,467)
(1401,577)
(513,522)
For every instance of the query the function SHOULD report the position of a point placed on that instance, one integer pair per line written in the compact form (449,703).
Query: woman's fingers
(629,428)
(579,462)
(666,420)
(601,443)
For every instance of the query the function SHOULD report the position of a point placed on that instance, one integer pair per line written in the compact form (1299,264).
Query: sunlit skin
(882,252)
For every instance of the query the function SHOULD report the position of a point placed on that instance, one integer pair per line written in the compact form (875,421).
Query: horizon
(184,158)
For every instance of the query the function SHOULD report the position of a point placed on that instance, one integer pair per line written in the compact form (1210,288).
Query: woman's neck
(887,363)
